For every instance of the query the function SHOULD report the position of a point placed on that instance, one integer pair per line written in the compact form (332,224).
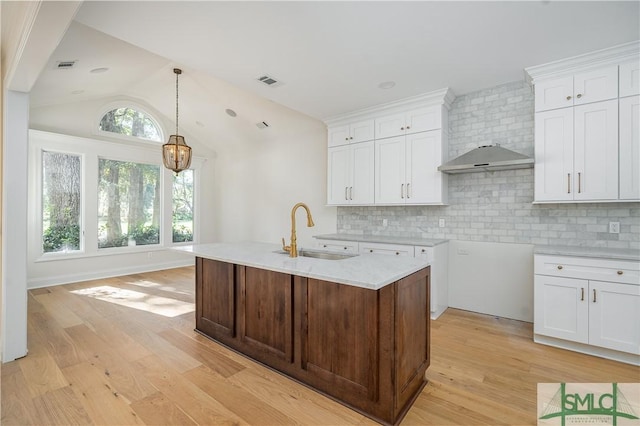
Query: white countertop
(597,252)
(372,271)
(426,242)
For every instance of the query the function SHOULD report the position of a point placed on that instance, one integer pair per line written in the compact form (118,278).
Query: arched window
(130,121)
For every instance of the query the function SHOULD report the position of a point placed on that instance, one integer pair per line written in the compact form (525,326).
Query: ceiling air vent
(65,64)
(262,125)
(269,81)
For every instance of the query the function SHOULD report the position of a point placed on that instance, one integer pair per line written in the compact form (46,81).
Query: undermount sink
(325,255)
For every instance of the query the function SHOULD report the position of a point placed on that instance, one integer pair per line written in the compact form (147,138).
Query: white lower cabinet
(594,303)
(437,256)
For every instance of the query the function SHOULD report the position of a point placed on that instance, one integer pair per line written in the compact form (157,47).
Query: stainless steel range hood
(487,158)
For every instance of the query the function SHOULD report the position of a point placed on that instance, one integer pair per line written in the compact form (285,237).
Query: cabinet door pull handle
(594,295)
(408,189)
(346,188)
(620,272)
(579,95)
(560,266)
(569,97)
(579,184)
(402,191)
(568,183)
(351,192)
(582,294)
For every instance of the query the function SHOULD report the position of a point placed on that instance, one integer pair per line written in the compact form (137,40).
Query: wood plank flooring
(96,358)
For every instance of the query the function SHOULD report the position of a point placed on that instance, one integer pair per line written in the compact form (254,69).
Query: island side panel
(412,333)
(215,298)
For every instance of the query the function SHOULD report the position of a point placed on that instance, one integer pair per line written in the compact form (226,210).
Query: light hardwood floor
(123,351)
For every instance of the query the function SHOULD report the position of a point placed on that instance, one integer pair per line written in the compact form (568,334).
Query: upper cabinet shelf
(389,155)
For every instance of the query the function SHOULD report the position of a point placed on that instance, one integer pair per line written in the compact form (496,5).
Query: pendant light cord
(177,71)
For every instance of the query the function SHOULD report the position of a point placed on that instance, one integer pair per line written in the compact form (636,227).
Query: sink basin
(316,254)
(324,255)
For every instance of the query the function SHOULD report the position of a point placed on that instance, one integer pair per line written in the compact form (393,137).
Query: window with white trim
(88,197)
(131,121)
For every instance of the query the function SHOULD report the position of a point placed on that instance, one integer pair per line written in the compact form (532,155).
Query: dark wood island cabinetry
(366,348)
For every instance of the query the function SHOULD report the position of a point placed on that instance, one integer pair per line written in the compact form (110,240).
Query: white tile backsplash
(496,207)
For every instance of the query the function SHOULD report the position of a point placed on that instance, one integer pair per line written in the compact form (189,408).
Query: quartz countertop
(372,271)
(597,252)
(426,242)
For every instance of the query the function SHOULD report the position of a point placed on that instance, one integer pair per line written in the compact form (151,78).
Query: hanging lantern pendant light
(176,154)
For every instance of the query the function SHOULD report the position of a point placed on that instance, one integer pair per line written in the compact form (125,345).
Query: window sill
(111,251)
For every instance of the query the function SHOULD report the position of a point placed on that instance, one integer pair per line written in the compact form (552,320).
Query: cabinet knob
(324,245)
(559,266)
(620,272)
(579,95)
(408,127)
(401,128)
(423,250)
(346,139)
(351,137)
(568,98)
(345,248)
(397,253)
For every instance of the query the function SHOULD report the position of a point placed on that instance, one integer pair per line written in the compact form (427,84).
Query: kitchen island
(355,329)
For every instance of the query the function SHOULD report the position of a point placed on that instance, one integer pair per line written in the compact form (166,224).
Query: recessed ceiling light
(77,92)
(99,70)
(230,112)
(387,84)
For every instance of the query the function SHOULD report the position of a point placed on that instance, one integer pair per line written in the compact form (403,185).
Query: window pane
(130,122)
(128,204)
(60,202)
(183,206)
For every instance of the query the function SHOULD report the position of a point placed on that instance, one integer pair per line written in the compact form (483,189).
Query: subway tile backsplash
(496,207)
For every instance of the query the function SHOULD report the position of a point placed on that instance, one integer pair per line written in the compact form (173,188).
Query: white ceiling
(330,56)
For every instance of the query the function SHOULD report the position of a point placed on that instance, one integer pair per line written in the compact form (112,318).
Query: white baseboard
(627,358)
(107,273)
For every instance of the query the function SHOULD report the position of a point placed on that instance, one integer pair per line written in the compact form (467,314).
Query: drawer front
(390,249)
(619,271)
(338,245)
(426,252)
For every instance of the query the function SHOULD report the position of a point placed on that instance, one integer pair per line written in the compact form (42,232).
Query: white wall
(492,278)
(250,181)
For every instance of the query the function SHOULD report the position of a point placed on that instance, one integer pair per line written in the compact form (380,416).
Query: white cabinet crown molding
(443,97)
(599,58)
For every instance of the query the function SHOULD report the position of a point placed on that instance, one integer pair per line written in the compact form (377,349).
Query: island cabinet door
(265,315)
(340,340)
(412,328)
(215,302)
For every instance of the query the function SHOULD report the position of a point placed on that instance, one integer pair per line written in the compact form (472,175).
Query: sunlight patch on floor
(133,299)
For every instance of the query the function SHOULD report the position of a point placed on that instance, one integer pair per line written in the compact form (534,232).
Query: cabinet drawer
(426,252)
(390,249)
(338,245)
(619,271)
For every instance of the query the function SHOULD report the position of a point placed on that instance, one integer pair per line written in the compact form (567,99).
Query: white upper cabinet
(554,155)
(350,174)
(389,155)
(586,127)
(414,121)
(630,78)
(596,151)
(582,88)
(360,131)
(630,148)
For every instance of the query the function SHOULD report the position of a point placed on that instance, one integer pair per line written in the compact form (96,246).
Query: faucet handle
(285,247)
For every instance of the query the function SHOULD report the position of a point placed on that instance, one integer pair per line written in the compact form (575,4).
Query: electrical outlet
(385,222)
(441,223)
(614,227)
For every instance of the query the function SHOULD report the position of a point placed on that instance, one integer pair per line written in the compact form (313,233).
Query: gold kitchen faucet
(292,248)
